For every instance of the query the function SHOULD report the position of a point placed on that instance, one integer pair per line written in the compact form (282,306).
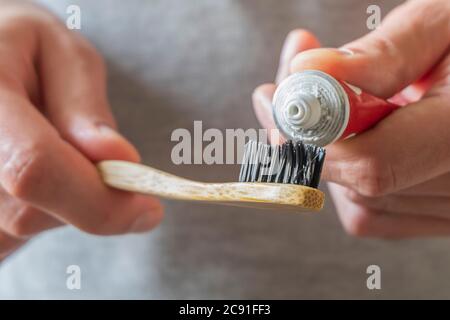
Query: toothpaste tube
(313,107)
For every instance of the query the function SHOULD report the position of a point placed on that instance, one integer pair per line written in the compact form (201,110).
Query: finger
(262,105)
(38,167)
(385,159)
(396,54)
(433,206)
(438,82)
(363,222)
(18,219)
(8,244)
(77,104)
(21,220)
(410,94)
(298,40)
(439,187)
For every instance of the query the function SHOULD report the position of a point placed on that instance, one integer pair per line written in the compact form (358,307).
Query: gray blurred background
(172,62)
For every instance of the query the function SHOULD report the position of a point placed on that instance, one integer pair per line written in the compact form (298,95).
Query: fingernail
(105,129)
(264,100)
(346,51)
(289,48)
(143,223)
(126,151)
(287,53)
(111,133)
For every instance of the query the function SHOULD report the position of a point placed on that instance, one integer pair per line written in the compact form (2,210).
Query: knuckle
(87,56)
(86,51)
(398,74)
(28,15)
(76,47)
(23,170)
(373,177)
(383,44)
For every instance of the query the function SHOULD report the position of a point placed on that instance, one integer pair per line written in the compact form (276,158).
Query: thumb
(96,138)
(77,105)
(411,39)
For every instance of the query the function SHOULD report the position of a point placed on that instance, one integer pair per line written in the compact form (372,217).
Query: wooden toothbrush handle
(143,179)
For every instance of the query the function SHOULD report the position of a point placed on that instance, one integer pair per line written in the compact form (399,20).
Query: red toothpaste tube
(313,107)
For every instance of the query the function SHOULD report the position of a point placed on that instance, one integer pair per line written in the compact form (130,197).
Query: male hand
(392,181)
(55,124)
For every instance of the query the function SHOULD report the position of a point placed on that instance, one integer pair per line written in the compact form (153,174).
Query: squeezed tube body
(313,107)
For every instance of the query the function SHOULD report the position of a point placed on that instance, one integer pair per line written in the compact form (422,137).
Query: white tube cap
(302,112)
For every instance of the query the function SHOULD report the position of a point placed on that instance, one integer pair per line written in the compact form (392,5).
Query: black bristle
(291,162)
(245,161)
(318,164)
(274,160)
(297,160)
(280,165)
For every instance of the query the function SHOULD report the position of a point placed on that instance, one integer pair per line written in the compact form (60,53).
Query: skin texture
(392,181)
(55,121)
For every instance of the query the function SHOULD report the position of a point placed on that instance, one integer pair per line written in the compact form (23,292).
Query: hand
(392,181)
(55,123)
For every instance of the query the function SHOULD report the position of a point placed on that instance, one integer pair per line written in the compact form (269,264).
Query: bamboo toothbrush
(284,177)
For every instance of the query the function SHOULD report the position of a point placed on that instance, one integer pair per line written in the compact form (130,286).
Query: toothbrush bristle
(291,162)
